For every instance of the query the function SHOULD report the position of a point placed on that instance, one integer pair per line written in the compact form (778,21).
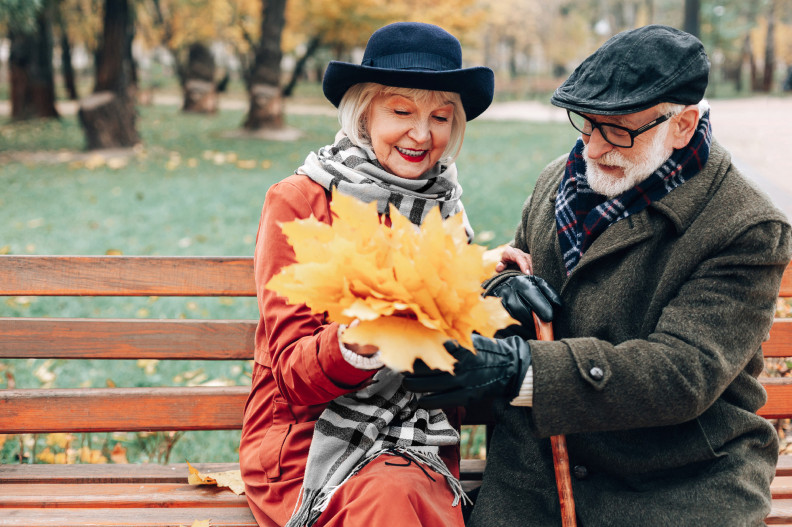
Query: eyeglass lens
(612,134)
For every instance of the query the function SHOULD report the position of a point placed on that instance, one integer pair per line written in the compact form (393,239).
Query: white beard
(635,171)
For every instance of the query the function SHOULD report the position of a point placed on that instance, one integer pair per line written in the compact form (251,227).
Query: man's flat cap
(635,70)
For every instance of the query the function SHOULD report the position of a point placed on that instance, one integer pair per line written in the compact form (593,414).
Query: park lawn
(190,189)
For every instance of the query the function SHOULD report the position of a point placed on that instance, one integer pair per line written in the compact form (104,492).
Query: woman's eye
(441,119)
(401,112)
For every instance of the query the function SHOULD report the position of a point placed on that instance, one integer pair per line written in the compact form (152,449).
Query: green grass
(191,190)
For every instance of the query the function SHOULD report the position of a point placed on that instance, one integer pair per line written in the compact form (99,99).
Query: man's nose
(597,145)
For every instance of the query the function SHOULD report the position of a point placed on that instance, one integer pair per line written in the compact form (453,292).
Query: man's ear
(683,126)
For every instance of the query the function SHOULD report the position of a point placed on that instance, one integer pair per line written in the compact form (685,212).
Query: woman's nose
(420,132)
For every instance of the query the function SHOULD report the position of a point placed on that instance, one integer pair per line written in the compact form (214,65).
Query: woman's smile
(411,155)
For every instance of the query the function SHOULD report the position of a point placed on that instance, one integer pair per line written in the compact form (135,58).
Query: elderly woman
(330,437)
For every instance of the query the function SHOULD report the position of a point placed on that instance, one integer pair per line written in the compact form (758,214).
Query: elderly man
(668,262)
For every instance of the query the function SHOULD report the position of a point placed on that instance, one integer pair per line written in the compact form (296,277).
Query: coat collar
(684,204)
(681,206)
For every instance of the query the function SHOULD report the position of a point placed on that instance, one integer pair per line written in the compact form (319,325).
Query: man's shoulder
(552,173)
(736,189)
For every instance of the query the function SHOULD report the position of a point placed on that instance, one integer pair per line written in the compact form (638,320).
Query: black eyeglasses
(612,133)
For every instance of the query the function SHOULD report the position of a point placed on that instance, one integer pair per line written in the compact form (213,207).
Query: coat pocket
(271,448)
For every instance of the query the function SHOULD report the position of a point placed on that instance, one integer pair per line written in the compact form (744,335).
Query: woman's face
(409,136)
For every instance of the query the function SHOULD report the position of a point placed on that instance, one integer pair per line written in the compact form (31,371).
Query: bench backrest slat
(128,409)
(780,343)
(126,276)
(75,338)
(170,408)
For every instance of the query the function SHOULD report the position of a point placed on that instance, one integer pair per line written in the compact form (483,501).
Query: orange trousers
(390,491)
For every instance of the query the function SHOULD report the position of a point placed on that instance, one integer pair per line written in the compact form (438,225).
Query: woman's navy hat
(414,55)
(635,70)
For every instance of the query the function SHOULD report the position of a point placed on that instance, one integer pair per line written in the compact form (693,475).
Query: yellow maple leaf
(200,523)
(229,478)
(411,288)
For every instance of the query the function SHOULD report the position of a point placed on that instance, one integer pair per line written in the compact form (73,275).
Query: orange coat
(298,366)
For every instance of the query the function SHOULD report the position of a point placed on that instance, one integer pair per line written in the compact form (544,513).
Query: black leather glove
(496,370)
(526,293)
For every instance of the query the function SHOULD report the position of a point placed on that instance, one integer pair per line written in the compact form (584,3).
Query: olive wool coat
(653,373)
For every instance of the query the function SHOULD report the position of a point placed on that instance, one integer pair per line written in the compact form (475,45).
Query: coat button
(580,472)
(596,373)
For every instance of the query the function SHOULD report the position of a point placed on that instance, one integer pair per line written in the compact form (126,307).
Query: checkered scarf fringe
(355,171)
(582,214)
(380,419)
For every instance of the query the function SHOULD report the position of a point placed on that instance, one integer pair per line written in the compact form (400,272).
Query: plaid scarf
(582,214)
(355,429)
(355,171)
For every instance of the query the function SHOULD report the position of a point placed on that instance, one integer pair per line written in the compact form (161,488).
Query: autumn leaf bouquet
(411,288)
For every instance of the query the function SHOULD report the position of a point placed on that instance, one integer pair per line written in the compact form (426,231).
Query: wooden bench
(151,494)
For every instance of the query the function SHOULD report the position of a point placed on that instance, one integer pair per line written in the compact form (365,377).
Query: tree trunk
(200,91)
(692,22)
(769,58)
(67,67)
(266,101)
(31,72)
(106,121)
(650,11)
(108,116)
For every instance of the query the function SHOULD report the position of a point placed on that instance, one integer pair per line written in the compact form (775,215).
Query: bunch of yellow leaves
(410,288)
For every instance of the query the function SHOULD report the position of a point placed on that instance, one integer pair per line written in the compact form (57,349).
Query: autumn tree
(108,115)
(32,79)
(187,28)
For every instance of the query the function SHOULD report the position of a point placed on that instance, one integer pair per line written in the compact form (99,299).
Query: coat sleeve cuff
(335,367)
(525,395)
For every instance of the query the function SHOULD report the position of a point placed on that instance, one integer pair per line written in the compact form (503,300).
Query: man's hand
(496,370)
(521,295)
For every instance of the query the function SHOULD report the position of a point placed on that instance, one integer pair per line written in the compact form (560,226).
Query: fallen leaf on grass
(230,478)
(410,288)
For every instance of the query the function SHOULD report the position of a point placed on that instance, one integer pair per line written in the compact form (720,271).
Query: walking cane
(544,331)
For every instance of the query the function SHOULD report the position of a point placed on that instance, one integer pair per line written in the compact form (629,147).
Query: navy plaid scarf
(582,214)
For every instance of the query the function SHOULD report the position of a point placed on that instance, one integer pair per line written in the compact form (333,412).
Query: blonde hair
(354,106)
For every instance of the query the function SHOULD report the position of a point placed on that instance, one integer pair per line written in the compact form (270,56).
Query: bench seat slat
(81,338)
(126,276)
(122,409)
(106,495)
(152,517)
(105,473)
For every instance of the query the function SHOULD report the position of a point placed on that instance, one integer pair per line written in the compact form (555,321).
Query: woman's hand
(513,255)
(366,350)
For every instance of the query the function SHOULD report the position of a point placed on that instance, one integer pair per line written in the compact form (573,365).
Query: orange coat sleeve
(299,346)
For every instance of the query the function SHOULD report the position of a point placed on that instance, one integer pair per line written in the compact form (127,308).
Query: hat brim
(600,109)
(597,108)
(475,86)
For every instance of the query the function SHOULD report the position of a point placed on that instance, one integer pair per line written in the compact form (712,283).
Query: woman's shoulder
(298,192)
(297,184)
